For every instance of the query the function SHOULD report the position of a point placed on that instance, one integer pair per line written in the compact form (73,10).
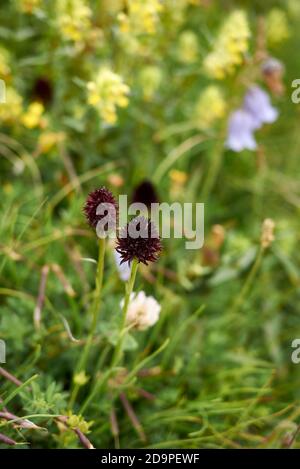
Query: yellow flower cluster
(210,107)
(77,421)
(142,16)
(277,26)
(187,50)
(32,117)
(74,19)
(230,46)
(107,92)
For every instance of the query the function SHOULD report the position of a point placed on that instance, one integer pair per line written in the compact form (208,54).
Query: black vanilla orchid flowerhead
(43,91)
(140,240)
(101,210)
(145,193)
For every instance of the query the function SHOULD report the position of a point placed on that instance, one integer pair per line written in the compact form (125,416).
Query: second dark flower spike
(93,203)
(139,240)
(145,193)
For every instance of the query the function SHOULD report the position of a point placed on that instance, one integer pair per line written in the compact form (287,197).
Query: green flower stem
(118,350)
(95,316)
(216,159)
(129,289)
(248,283)
(100,383)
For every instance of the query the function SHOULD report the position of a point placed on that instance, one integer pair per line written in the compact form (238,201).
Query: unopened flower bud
(267,235)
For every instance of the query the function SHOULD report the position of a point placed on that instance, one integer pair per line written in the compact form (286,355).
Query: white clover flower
(143,311)
(124,268)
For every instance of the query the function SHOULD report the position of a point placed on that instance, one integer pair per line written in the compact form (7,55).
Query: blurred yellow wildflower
(107,92)
(150,78)
(48,140)
(7,188)
(77,421)
(210,107)
(178,180)
(74,19)
(277,26)
(187,50)
(11,110)
(81,378)
(178,177)
(4,63)
(230,46)
(32,117)
(142,16)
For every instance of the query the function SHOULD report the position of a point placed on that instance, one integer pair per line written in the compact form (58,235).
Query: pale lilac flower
(240,131)
(256,111)
(257,102)
(124,268)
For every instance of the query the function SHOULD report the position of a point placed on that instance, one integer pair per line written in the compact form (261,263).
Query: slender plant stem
(118,350)
(129,289)
(214,169)
(96,389)
(95,317)
(248,283)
